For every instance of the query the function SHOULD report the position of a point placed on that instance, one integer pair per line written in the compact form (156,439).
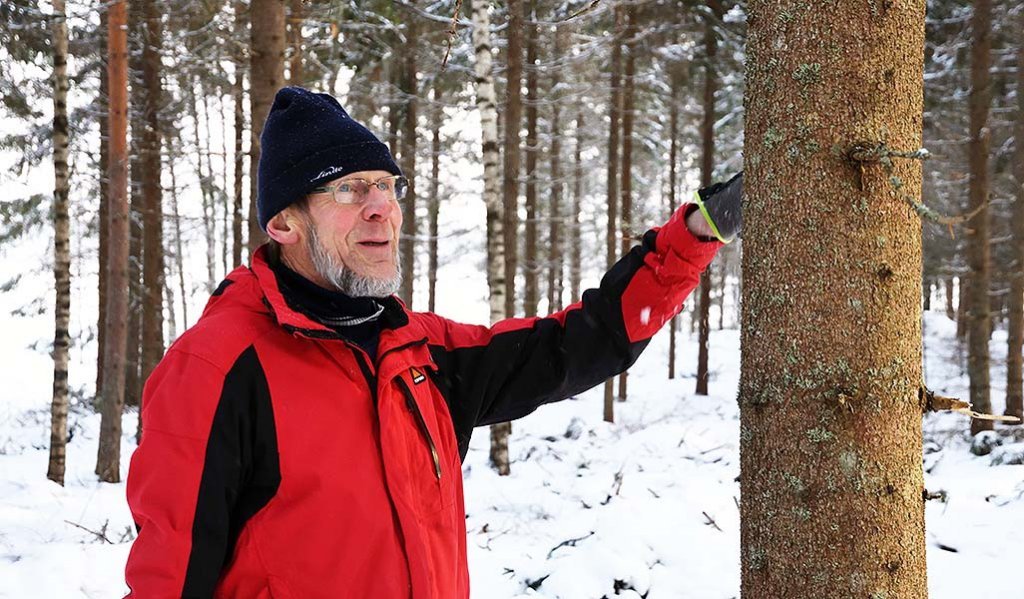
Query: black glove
(720,204)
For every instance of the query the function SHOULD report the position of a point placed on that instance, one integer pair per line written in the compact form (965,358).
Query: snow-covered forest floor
(644,507)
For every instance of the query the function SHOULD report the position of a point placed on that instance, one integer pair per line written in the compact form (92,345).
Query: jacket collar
(396,329)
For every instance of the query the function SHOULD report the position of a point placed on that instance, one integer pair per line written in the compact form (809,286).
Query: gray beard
(343,279)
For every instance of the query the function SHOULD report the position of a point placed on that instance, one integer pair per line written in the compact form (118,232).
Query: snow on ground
(647,505)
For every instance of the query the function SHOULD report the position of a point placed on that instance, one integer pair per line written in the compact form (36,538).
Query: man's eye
(345,188)
(384,185)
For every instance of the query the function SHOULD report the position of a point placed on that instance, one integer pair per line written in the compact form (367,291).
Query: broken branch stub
(939,403)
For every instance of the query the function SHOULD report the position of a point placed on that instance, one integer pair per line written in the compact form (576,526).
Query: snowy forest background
(642,504)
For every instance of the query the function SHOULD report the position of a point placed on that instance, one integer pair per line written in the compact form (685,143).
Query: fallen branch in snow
(569,543)
(616,486)
(101,535)
(936,403)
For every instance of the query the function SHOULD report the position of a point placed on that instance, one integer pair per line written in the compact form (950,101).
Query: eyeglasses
(355,191)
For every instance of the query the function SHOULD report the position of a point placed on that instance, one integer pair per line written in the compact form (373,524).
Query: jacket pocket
(421,424)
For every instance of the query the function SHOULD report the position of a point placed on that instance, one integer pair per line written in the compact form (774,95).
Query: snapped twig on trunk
(931,402)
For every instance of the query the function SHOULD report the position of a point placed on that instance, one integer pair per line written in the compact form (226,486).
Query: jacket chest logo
(417,375)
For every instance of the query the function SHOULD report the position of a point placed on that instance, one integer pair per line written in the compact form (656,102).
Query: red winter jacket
(278,461)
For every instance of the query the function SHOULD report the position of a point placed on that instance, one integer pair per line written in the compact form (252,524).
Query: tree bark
(226,200)
(205,180)
(556,252)
(178,254)
(104,212)
(575,239)
(513,118)
(707,165)
(626,179)
(486,102)
(133,349)
(950,310)
(723,280)
(531,266)
(1015,302)
(673,157)
(152,198)
(266,53)
(108,458)
(410,92)
(978,249)
(61,249)
(962,310)
(612,178)
(830,415)
(436,120)
(238,96)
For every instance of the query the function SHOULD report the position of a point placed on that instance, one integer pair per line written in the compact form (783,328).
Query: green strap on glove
(707,217)
(720,205)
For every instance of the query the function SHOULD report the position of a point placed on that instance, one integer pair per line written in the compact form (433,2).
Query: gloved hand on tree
(720,207)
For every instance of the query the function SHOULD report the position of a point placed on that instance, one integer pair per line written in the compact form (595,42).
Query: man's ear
(285,227)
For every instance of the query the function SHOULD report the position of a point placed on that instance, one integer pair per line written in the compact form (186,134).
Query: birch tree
(61,248)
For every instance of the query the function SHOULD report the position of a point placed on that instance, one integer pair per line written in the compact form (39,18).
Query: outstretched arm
(503,372)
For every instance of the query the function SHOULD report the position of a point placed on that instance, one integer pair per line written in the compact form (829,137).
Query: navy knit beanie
(309,139)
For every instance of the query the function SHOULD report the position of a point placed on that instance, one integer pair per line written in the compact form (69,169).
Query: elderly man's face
(352,247)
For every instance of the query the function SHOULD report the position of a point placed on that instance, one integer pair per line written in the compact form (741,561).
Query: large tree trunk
(152,198)
(1015,303)
(108,458)
(486,102)
(707,165)
(512,119)
(978,250)
(266,52)
(556,253)
(436,120)
(410,92)
(830,415)
(626,178)
(61,249)
(531,268)
(612,178)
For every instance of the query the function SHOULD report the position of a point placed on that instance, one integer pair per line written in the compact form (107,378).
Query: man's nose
(377,205)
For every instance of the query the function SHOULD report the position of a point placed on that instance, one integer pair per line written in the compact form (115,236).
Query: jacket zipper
(415,409)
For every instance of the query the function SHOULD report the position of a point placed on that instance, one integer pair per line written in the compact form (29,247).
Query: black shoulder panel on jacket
(241,472)
(220,288)
(546,360)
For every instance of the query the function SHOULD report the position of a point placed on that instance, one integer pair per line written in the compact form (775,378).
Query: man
(304,438)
